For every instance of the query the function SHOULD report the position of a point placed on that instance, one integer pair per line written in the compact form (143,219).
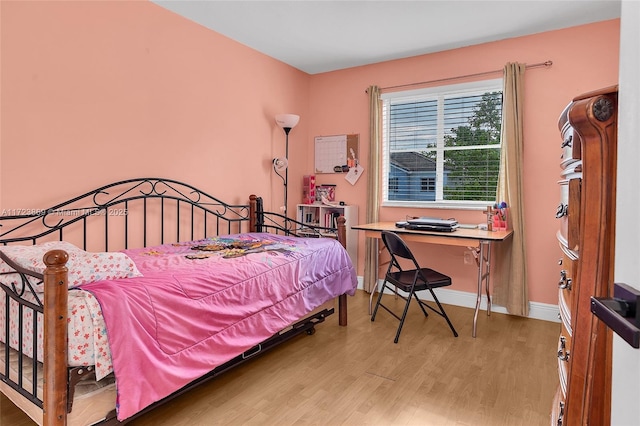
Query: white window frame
(439,92)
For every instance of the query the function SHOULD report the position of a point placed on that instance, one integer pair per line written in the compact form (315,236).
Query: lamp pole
(287,122)
(286,171)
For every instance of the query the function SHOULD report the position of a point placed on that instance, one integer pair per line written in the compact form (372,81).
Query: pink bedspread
(195,309)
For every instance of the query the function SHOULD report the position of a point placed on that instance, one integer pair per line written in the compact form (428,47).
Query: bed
(118,300)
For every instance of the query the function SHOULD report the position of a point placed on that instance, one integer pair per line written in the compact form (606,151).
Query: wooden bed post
(55,338)
(342,299)
(253,207)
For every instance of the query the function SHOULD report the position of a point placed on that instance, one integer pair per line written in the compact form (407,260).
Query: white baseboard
(537,310)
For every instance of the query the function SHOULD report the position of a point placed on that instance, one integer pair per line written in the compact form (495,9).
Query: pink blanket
(200,304)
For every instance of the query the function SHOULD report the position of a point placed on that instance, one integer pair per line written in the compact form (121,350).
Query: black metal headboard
(130,213)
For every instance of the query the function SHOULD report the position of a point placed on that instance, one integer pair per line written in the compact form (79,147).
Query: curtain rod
(538,65)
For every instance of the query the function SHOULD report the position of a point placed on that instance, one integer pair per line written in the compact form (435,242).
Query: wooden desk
(473,238)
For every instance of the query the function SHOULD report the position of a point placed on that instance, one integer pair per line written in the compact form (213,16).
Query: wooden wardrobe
(588,126)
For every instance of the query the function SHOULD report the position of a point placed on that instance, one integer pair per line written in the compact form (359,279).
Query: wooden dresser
(586,215)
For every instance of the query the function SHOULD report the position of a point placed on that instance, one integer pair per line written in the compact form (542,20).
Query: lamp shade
(287,121)
(280,164)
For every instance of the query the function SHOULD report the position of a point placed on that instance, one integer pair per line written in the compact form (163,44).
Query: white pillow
(84,267)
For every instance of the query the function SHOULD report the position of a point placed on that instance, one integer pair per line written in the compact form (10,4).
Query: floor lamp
(287,122)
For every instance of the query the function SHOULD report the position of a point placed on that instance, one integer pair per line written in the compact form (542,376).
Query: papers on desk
(470,226)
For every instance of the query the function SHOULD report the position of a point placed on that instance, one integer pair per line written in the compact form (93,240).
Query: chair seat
(404,279)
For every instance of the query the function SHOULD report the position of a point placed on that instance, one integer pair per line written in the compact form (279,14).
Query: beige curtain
(510,271)
(373,190)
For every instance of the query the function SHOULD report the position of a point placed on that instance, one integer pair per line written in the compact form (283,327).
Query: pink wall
(339,105)
(98,91)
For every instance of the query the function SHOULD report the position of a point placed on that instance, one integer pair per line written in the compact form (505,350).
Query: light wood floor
(356,375)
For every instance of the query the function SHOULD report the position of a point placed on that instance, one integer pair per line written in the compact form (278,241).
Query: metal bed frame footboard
(28,302)
(279,224)
(16,294)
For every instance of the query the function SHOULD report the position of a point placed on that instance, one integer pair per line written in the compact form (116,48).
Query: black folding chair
(409,281)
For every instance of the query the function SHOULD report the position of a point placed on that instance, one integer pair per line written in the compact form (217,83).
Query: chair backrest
(397,247)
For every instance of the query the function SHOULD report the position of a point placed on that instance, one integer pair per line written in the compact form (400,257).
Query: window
(428,184)
(441,146)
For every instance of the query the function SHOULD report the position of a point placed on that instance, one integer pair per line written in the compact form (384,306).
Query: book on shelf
(331,219)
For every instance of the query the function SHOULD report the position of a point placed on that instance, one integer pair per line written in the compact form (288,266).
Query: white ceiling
(320,36)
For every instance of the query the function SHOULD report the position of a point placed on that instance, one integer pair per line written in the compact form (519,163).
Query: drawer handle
(567,142)
(564,283)
(562,210)
(563,353)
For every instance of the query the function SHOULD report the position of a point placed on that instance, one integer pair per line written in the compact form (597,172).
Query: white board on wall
(334,151)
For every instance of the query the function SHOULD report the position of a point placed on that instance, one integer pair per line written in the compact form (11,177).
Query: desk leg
(487,274)
(484,269)
(376,266)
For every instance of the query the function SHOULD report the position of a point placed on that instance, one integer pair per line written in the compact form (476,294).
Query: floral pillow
(84,267)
